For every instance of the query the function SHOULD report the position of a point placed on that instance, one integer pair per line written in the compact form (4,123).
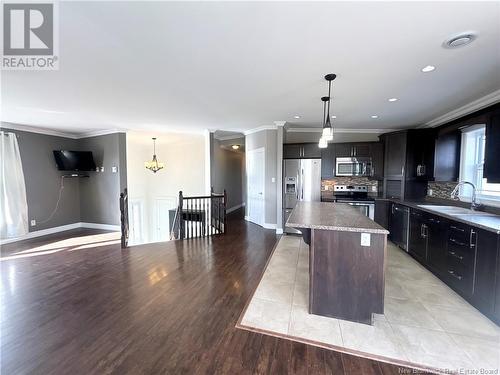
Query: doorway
(256,169)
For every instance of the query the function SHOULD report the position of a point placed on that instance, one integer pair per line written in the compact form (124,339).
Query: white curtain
(13,204)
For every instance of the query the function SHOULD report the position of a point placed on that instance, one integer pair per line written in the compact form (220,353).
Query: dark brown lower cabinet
(417,244)
(381,215)
(437,244)
(485,270)
(466,258)
(460,257)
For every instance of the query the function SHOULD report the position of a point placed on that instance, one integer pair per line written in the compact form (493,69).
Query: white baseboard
(269,226)
(111,227)
(279,230)
(62,228)
(234,208)
(247,218)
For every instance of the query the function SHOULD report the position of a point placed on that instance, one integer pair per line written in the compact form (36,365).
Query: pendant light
(154,165)
(327,126)
(323,141)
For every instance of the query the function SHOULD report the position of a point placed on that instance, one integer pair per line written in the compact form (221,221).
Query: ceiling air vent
(459,40)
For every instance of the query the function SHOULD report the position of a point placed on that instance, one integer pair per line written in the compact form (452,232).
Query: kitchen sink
(453,210)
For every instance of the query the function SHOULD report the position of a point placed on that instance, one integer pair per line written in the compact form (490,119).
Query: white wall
(184,158)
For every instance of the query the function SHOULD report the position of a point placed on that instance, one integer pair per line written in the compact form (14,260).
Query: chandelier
(154,165)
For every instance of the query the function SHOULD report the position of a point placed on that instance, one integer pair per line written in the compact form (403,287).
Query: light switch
(365,239)
(273,179)
(114,169)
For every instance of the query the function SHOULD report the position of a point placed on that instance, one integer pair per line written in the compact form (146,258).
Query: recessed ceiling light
(296,116)
(393,99)
(235,147)
(334,116)
(374,116)
(459,40)
(428,68)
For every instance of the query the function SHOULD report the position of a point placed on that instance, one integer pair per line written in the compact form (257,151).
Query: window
(472,166)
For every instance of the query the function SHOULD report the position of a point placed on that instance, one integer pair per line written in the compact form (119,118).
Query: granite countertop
(332,216)
(483,220)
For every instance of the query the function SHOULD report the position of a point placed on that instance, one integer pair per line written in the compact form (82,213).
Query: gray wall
(93,200)
(268,140)
(99,194)
(43,180)
(226,170)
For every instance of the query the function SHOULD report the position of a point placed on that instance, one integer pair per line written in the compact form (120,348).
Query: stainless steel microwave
(353,166)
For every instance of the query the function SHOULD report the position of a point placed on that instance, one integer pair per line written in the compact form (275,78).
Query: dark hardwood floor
(164,308)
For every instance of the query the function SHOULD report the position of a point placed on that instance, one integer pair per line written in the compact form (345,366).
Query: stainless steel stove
(357,196)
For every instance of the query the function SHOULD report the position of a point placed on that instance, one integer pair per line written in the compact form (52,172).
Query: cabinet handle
(472,238)
(453,254)
(456,228)
(457,242)
(434,221)
(392,209)
(452,273)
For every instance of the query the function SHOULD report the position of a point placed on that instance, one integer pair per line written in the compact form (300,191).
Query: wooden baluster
(190,223)
(224,206)
(181,217)
(196,226)
(207,228)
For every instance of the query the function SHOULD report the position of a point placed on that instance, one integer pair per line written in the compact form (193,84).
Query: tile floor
(425,322)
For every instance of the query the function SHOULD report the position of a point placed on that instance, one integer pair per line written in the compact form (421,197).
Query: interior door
(255,185)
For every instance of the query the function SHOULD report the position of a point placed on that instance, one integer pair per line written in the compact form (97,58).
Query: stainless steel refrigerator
(301,182)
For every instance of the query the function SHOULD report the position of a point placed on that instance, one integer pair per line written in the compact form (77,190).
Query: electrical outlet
(374,189)
(114,169)
(33,222)
(273,179)
(430,192)
(365,239)
(102,169)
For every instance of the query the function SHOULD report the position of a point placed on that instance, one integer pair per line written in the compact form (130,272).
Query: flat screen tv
(74,160)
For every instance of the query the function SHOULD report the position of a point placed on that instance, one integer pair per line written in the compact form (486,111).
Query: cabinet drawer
(460,251)
(460,233)
(458,258)
(459,277)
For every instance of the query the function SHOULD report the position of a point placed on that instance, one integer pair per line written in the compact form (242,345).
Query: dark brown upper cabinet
(301,151)
(328,162)
(447,156)
(395,155)
(377,154)
(346,150)
(492,149)
(408,163)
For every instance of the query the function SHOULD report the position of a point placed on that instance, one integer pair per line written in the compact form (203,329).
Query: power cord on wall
(57,203)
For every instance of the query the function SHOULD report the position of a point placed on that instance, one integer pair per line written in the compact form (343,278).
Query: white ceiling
(236,65)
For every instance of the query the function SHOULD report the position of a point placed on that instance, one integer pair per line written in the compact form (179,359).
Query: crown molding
(473,106)
(97,133)
(37,130)
(280,123)
(229,137)
(340,130)
(260,128)
(56,133)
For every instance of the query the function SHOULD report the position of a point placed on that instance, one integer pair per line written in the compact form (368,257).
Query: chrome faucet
(474,204)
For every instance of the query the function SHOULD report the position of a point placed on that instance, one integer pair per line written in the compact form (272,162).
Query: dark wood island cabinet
(347,260)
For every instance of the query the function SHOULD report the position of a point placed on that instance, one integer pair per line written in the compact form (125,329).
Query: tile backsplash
(441,189)
(327,185)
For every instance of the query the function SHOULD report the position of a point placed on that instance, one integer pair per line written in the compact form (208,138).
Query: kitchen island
(347,253)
